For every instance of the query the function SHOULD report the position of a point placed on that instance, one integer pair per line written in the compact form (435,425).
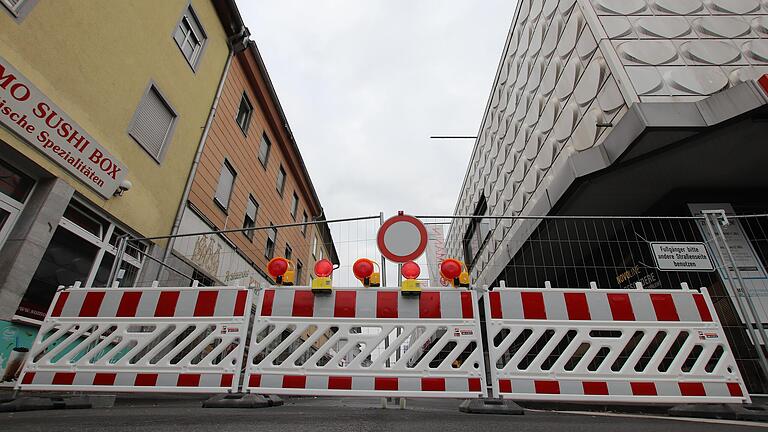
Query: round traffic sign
(402,238)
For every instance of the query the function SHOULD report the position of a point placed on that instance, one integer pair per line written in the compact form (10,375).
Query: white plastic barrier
(336,344)
(187,340)
(609,346)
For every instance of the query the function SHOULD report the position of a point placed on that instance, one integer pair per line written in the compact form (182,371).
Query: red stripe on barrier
(254,380)
(166,304)
(60,304)
(547,387)
(577,306)
(266,305)
(692,389)
(226,380)
(242,296)
(621,307)
(63,378)
(145,380)
(735,389)
(28,378)
(665,308)
(763,81)
(505,386)
(433,384)
(385,383)
(701,305)
(129,304)
(206,303)
(495,299)
(344,307)
(303,304)
(643,388)
(533,305)
(340,383)
(467,311)
(473,384)
(386,304)
(295,381)
(188,380)
(92,303)
(429,304)
(595,387)
(105,379)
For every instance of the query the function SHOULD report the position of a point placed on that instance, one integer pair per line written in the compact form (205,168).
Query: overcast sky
(365,83)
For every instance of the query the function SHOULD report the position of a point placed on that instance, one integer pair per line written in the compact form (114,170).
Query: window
(294,205)
(281,180)
(189,36)
(299,271)
(269,249)
(202,279)
(224,188)
(250,216)
(153,122)
(314,247)
(288,251)
(15,188)
(477,232)
(244,113)
(264,150)
(18,8)
(304,227)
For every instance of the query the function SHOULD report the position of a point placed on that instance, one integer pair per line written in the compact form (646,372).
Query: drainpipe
(195,164)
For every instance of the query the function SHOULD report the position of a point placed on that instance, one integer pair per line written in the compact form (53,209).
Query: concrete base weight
(491,406)
(721,411)
(242,400)
(29,403)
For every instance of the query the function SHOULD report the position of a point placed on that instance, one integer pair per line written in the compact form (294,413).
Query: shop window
(202,279)
(294,205)
(244,113)
(281,181)
(190,36)
(153,122)
(250,216)
(304,227)
(226,182)
(299,271)
(264,149)
(477,232)
(269,249)
(15,184)
(86,219)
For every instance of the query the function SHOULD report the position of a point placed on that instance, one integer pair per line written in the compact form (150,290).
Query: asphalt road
(334,414)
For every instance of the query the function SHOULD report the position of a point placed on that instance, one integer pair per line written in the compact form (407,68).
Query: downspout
(195,164)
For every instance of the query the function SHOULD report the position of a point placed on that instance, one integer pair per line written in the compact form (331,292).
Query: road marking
(642,416)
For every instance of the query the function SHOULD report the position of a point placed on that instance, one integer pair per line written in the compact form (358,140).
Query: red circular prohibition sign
(409,234)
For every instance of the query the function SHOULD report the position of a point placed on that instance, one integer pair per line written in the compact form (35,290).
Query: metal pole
(113,272)
(735,295)
(383,260)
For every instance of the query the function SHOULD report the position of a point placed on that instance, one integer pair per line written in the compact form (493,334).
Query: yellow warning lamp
(365,271)
(321,284)
(454,271)
(411,287)
(282,271)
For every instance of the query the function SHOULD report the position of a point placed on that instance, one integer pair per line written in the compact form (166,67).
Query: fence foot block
(491,406)
(721,411)
(242,400)
(29,403)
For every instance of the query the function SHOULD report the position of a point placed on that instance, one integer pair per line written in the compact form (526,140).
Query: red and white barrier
(595,345)
(346,343)
(141,339)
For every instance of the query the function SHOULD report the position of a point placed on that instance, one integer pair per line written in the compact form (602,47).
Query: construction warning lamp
(281,270)
(455,271)
(410,271)
(321,284)
(365,271)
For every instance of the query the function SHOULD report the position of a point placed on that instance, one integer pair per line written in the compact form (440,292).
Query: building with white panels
(614,107)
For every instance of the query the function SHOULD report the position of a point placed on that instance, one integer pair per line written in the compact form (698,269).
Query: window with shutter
(250,216)
(152,123)
(13,5)
(280,181)
(264,150)
(224,188)
(243,118)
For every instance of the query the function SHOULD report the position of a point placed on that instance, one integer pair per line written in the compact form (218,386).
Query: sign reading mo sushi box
(26,111)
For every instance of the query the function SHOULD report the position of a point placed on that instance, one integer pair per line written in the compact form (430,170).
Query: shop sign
(27,112)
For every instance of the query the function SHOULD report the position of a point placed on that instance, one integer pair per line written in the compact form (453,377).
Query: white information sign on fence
(681,257)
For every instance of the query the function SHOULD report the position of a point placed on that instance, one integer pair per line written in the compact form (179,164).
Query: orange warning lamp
(454,271)
(365,271)
(281,270)
(410,271)
(321,284)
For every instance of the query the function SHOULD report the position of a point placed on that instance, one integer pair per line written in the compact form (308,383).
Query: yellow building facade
(103,106)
